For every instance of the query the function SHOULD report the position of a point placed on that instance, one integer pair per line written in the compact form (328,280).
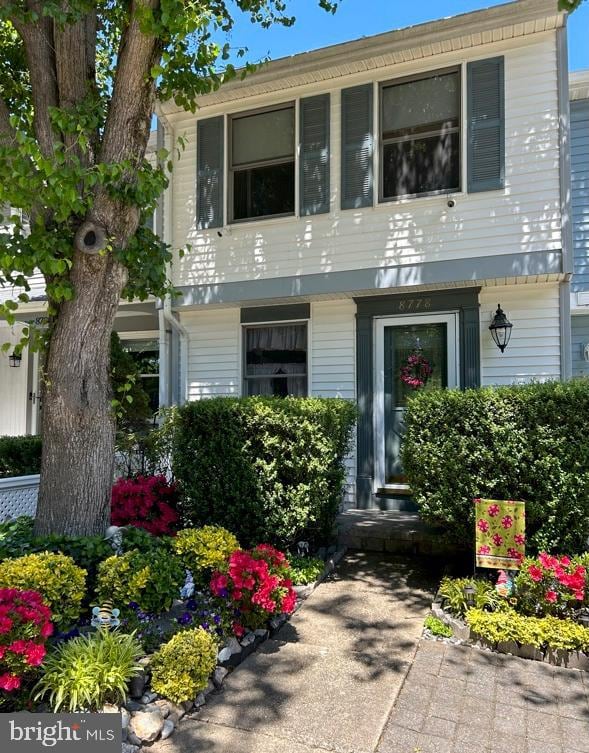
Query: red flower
(535,573)
(483,526)
(238,629)
(35,654)
(5,625)
(520,539)
(551,596)
(579,595)
(485,549)
(289,601)
(493,510)
(565,561)
(547,561)
(9,682)
(507,521)
(497,540)
(147,502)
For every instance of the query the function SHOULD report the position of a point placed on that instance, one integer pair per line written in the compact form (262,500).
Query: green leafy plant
(20,456)
(527,442)
(452,594)
(304,570)
(541,632)
(139,538)
(56,577)
(15,537)
(152,580)
(268,469)
(181,668)
(86,672)
(437,627)
(203,550)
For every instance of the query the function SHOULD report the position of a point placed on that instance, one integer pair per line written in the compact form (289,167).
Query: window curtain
(289,337)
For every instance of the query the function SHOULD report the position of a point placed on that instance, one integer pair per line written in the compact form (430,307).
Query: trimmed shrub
(181,668)
(527,442)
(540,632)
(20,456)
(151,580)
(205,549)
(87,672)
(56,577)
(268,469)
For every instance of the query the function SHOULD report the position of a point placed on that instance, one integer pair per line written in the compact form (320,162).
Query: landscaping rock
(200,700)
(248,639)
(224,655)
(125,718)
(578,660)
(508,647)
(219,675)
(132,739)
(261,633)
(167,729)
(110,708)
(146,725)
(131,705)
(209,689)
(137,685)
(187,705)
(128,748)
(163,706)
(148,697)
(277,622)
(176,712)
(303,592)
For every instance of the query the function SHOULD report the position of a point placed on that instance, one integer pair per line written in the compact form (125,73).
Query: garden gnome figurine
(504,585)
(114,536)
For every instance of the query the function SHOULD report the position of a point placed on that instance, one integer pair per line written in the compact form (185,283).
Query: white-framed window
(275,359)
(262,163)
(420,135)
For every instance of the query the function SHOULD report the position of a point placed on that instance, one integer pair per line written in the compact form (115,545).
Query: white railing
(18,496)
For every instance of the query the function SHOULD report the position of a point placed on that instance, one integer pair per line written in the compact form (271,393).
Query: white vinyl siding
(333,364)
(524,217)
(213,353)
(13,383)
(533,352)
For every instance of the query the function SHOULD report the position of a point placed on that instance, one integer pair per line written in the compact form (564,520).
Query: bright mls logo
(30,733)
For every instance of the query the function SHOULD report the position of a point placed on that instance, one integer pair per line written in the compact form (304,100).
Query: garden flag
(500,533)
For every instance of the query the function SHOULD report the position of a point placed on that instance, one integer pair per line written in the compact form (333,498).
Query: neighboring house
(350,206)
(579,106)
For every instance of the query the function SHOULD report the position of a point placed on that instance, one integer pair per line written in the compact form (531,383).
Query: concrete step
(393,531)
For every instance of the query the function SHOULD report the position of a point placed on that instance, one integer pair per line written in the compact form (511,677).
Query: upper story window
(420,135)
(262,163)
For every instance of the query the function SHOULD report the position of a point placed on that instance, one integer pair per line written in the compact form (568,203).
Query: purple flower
(191,604)
(217,619)
(185,618)
(205,625)
(224,593)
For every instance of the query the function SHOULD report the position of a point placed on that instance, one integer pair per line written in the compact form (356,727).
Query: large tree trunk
(78,425)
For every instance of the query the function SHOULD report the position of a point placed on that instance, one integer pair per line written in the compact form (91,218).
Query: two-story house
(354,207)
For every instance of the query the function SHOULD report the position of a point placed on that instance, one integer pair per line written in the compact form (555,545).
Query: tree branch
(40,55)
(7,132)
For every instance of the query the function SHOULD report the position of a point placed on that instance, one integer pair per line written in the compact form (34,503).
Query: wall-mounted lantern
(14,359)
(500,328)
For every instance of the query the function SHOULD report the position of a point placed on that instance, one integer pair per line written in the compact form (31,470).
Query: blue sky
(356,18)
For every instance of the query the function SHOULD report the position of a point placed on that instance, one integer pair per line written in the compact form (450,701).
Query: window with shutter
(314,154)
(420,135)
(209,181)
(486,125)
(357,147)
(262,164)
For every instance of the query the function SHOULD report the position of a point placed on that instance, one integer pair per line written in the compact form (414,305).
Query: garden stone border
(463,634)
(147,717)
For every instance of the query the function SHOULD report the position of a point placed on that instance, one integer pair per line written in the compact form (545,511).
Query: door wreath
(416,370)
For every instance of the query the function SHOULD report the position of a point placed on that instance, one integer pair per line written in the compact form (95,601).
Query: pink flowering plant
(25,625)
(553,584)
(254,586)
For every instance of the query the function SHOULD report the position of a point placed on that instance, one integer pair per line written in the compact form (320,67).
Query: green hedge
(267,469)
(19,456)
(528,442)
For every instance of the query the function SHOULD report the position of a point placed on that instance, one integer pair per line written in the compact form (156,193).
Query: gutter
(168,322)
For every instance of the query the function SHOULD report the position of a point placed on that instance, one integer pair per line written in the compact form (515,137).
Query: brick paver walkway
(349,674)
(458,699)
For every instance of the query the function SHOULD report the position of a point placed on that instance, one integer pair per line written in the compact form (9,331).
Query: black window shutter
(209,173)
(486,124)
(314,156)
(357,147)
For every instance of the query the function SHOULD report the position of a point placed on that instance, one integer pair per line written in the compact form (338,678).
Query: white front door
(435,338)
